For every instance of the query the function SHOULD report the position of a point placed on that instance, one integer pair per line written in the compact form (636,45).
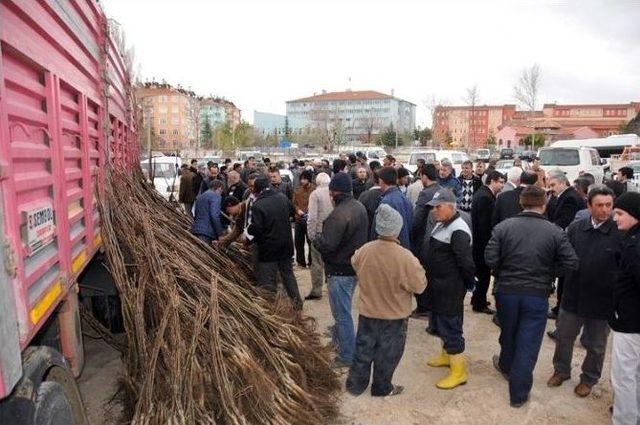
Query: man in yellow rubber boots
(448,261)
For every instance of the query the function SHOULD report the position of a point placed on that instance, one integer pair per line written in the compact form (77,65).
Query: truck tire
(52,405)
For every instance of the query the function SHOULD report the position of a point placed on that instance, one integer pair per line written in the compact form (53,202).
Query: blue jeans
(522,322)
(340,296)
(449,329)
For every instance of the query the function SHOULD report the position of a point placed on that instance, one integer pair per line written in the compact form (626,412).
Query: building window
(176,132)
(163,131)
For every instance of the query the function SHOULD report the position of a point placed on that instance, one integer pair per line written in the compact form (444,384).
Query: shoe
(496,365)
(432,331)
(457,375)
(485,310)
(582,390)
(556,380)
(415,314)
(441,361)
(553,315)
(519,404)
(313,297)
(552,334)
(397,389)
(340,364)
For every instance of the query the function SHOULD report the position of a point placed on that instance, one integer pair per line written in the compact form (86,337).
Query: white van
(165,174)
(573,161)
(431,155)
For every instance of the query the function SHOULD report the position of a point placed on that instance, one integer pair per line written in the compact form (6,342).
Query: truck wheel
(52,405)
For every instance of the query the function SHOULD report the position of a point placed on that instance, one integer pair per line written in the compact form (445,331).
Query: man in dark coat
(370,198)
(360,181)
(344,231)
(588,292)
(448,262)
(525,253)
(271,231)
(186,196)
(481,212)
(619,185)
(568,202)
(236,187)
(508,203)
(206,221)
(625,320)
(469,184)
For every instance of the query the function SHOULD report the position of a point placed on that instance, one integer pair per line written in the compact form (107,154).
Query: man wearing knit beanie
(344,231)
(388,275)
(625,322)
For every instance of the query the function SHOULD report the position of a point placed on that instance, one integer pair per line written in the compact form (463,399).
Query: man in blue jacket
(392,196)
(448,180)
(206,222)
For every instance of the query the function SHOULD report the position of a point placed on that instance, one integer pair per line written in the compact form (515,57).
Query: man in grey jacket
(320,207)
(517,246)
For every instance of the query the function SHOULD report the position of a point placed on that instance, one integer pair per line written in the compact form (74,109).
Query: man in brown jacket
(388,275)
(301,205)
(186,196)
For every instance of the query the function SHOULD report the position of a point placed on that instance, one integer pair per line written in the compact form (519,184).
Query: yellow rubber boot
(440,361)
(458,374)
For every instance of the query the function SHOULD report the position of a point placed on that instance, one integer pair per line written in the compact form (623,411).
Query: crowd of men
(438,236)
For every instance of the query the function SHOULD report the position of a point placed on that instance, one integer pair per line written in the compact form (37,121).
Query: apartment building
(359,115)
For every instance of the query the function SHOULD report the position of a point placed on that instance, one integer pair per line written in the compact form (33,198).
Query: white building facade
(359,115)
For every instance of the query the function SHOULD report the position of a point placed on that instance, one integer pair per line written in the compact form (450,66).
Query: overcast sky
(260,54)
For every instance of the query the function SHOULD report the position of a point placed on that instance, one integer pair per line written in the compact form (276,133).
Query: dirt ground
(483,400)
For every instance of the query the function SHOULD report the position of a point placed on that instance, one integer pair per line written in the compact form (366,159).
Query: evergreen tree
(206,132)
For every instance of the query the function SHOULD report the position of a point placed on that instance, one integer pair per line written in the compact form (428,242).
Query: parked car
(504,165)
(483,155)
(165,174)
(506,153)
(528,155)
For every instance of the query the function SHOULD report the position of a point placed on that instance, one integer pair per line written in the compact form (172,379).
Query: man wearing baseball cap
(625,322)
(448,261)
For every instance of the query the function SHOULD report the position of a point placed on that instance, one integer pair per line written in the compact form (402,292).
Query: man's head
(535,164)
(322,180)
(339,165)
(495,181)
(403,176)
(306,177)
(558,181)
(533,199)
(388,222)
(352,159)
(624,174)
(340,184)
(600,203)
(582,186)
(444,205)
(260,185)
(194,162)
(233,177)
(627,210)
(251,180)
(214,171)
(231,205)
(267,161)
(251,162)
(445,168)
(361,173)
(480,167)
(388,177)
(428,174)
(183,168)
(216,186)
(274,175)
(517,162)
(388,161)
(227,161)
(421,162)
(527,178)
(513,175)
(375,165)
(467,169)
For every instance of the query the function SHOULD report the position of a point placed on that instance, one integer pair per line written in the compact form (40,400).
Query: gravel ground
(483,400)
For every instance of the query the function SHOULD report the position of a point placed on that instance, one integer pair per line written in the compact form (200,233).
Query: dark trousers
(522,323)
(206,239)
(379,343)
(267,274)
(449,329)
(300,237)
(421,302)
(568,327)
(479,297)
(188,207)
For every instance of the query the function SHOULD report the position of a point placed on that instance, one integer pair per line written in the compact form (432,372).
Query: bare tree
(472,98)
(432,103)
(526,90)
(371,124)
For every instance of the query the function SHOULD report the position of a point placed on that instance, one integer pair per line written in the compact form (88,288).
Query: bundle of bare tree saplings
(203,345)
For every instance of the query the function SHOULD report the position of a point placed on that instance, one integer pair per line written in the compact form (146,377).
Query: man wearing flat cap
(448,261)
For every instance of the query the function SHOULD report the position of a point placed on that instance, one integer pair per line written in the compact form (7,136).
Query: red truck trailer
(66,111)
